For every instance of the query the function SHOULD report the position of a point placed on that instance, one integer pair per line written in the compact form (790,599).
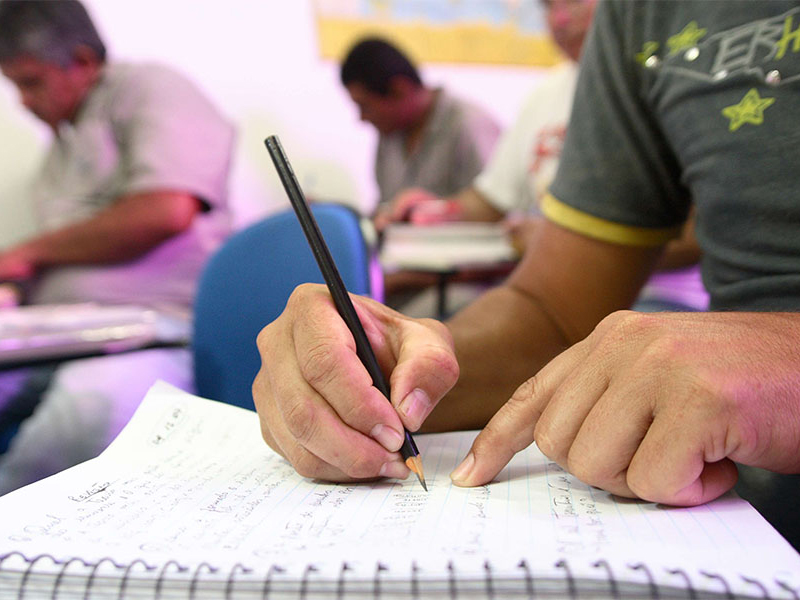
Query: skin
(131,226)
(654,406)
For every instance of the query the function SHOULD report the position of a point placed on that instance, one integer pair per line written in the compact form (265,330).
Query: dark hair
(373,62)
(48,30)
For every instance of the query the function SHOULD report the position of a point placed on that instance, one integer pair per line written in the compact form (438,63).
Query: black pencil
(338,291)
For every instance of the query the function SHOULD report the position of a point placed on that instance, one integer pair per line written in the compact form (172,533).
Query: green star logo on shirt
(687,38)
(749,110)
(648,50)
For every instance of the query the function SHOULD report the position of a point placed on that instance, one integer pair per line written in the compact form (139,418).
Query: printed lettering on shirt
(757,48)
(547,146)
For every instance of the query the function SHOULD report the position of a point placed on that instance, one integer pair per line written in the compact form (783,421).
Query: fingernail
(394,469)
(415,405)
(462,471)
(388,437)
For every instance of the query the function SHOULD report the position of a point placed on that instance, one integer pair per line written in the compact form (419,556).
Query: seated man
(131,200)
(523,166)
(427,137)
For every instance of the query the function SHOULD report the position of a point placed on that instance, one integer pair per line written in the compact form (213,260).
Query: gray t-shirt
(456,143)
(142,128)
(692,100)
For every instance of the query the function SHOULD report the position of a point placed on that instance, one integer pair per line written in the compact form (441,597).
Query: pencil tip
(415,464)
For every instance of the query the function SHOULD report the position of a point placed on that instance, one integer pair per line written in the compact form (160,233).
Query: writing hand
(658,406)
(315,399)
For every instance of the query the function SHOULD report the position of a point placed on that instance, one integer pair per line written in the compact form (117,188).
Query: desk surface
(448,247)
(45,332)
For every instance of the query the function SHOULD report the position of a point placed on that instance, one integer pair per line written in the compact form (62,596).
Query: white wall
(258,59)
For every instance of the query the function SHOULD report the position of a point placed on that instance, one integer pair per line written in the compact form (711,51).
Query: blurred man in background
(131,200)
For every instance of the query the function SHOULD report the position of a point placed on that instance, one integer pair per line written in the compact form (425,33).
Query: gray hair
(48,30)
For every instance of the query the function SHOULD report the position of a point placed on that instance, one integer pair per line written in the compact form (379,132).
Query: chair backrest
(246,284)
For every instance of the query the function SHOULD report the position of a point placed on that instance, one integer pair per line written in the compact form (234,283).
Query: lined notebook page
(191,480)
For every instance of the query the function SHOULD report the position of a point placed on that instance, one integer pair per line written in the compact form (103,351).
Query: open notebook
(188,502)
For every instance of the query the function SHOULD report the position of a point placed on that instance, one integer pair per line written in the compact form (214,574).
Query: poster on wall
(510,32)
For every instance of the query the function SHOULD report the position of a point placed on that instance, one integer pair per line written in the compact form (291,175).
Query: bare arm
(131,226)
(546,305)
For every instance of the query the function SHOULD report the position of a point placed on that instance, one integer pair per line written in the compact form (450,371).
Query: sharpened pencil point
(415,464)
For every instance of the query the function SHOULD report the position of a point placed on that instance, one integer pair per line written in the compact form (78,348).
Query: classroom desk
(422,255)
(32,334)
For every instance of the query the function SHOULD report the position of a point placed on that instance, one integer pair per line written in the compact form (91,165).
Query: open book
(446,246)
(188,502)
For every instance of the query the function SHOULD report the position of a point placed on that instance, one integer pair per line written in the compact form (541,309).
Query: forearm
(501,340)
(511,332)
(129,228)
(474,206)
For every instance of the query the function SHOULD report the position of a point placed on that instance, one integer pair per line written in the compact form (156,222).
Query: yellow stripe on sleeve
(600,229)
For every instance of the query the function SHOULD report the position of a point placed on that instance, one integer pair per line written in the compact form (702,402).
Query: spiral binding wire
(231,576)
(689,587)
(376,582)
(722,580)
(612,582)
(494,584)
(572,589)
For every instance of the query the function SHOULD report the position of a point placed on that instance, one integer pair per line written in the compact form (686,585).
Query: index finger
(511,428)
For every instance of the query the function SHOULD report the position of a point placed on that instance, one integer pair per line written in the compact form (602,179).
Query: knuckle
(301,420)
(320,364)
(259,390)
(306,464)
(264,339)
(645,483)
(588,471)
(548,443)
(623,324)
(360,468)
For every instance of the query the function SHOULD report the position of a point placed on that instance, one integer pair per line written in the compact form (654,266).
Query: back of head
(48,30)
(373,62)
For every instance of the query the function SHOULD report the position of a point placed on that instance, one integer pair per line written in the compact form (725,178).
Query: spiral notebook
(188,502)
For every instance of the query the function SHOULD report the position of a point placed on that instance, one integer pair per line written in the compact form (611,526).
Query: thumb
(509,431)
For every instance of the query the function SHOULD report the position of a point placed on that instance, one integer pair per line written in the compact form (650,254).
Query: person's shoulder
(557,83)
(464,110)
(145,73)
(563,75)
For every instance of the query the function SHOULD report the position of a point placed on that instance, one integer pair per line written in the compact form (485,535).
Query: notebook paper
(190,482)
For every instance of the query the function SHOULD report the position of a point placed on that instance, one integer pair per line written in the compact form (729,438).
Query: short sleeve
(618,179)
(170,135)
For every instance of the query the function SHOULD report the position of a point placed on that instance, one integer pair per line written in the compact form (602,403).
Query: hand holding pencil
(317,405)
(414,405)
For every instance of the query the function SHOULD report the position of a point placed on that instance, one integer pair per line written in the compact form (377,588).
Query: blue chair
(246,284)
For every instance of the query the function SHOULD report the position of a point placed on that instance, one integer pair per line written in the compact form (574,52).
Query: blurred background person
(131,200)
(427,137)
